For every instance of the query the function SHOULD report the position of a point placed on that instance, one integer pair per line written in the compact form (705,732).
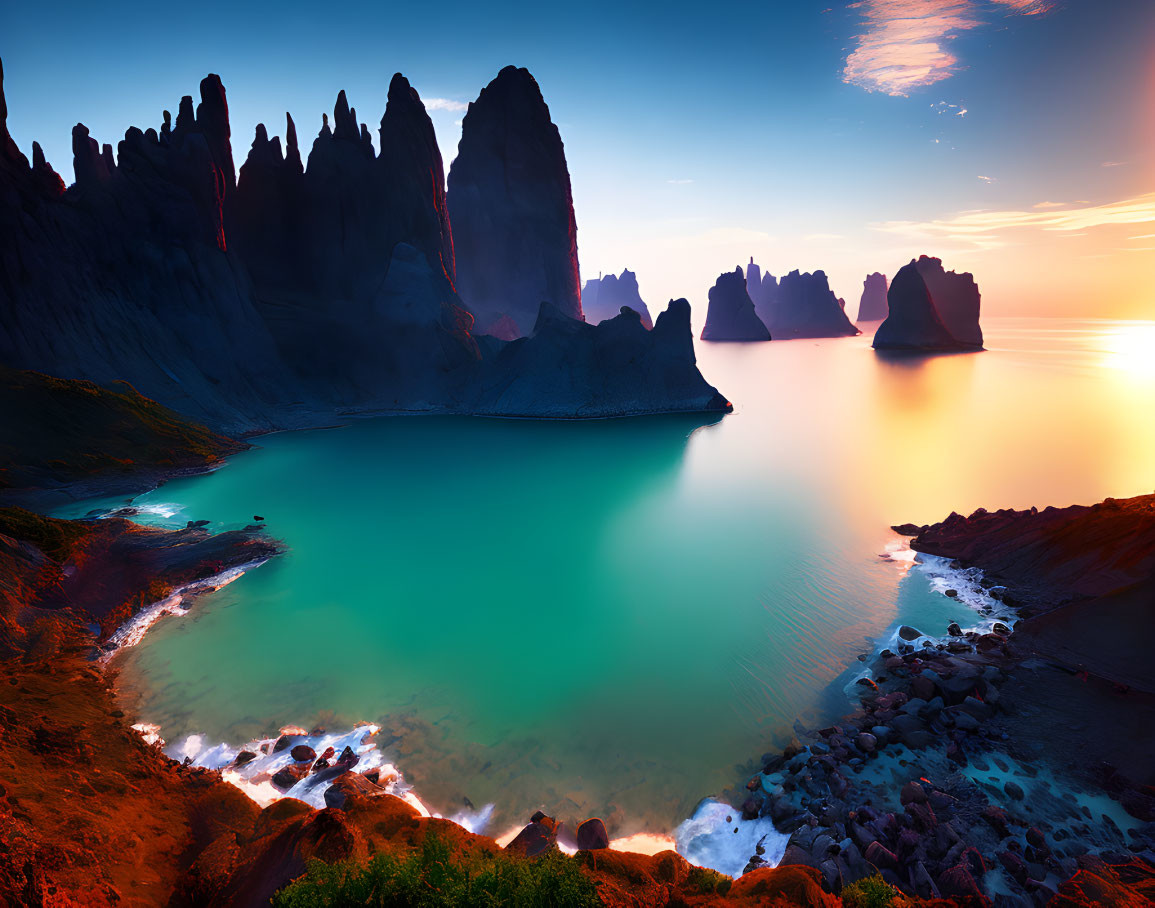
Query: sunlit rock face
(603,298)
(872,304)
(569,368)
(731,316)
(509,196)
(930,309)
(293,291)
(805,306)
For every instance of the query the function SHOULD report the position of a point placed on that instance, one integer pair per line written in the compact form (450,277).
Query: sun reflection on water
(1130,348)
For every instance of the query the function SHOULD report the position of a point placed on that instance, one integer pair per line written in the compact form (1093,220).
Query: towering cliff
(603,298)
(128,274)
(872,305)
(805,306)
(731,316)
(352,258)
(512,210)
(930,309)
(296,290)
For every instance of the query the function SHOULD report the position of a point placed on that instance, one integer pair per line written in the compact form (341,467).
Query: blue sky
(809,135)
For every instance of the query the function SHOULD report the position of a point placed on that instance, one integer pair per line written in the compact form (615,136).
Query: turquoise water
(611,618)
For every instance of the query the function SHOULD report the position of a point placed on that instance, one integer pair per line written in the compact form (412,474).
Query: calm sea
(612,618)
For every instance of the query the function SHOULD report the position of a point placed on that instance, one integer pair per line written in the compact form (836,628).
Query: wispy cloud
(904,45)
(679,182)
(444,104)
(983,228)
(986,179)
(1049,205)
(1113,163)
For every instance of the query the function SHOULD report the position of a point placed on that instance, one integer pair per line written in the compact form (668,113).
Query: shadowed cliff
(300,290)
(512,208)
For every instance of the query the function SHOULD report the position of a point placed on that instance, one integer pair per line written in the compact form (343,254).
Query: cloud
(1143,236)
(821,237)
(904,45)
(1049,205)
(1113,163)
(679,182)
(444,104)
(986,179)
(983,228)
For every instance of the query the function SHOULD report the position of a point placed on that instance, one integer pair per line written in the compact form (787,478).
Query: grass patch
(709,882)
(434,876)
(871,892)
(55,538)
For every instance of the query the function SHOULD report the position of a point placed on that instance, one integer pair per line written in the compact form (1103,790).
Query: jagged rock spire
(292,150)
(511,205)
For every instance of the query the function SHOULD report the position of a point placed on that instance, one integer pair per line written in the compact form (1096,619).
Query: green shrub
(708,881)
(433,876)
(871,892)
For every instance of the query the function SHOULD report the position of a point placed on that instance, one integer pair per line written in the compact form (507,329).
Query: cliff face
(603,298)
(731,316)
(931,309)
(805,306)
(290,293)
(872,305)
(128,274)
(514,230)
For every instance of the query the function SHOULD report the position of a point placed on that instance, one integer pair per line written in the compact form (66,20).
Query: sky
(1013,138)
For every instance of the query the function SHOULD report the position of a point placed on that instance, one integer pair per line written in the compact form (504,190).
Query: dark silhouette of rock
(956,297)
(291,292)
(592,835)
(512,210)
(763,290)
(804,306)
(731,316)
(930,310)
(872,305)
(603,298)
(617,368)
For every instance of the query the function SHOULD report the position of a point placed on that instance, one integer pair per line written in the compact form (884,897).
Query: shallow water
(610,618)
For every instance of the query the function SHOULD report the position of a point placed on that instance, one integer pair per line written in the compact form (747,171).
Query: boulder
(592,835)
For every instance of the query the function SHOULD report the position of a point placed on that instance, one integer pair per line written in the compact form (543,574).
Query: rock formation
(731,316)
(872,305)
(930,310)
(763,290)
(512,210)
(570,368)
(297,290)
(804,306)
(956,297)
(603,298)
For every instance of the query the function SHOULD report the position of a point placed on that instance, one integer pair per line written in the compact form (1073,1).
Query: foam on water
(717,837)
(178,602)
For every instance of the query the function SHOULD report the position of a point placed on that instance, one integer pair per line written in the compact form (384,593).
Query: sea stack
(617,368)
(731,316)
(872,305)
(515,236)
(930,310)
(604,297)
(805,306)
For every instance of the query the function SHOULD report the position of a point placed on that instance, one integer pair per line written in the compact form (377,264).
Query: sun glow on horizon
(1131,348)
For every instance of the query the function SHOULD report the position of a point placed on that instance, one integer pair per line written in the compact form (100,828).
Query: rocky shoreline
(956,776)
